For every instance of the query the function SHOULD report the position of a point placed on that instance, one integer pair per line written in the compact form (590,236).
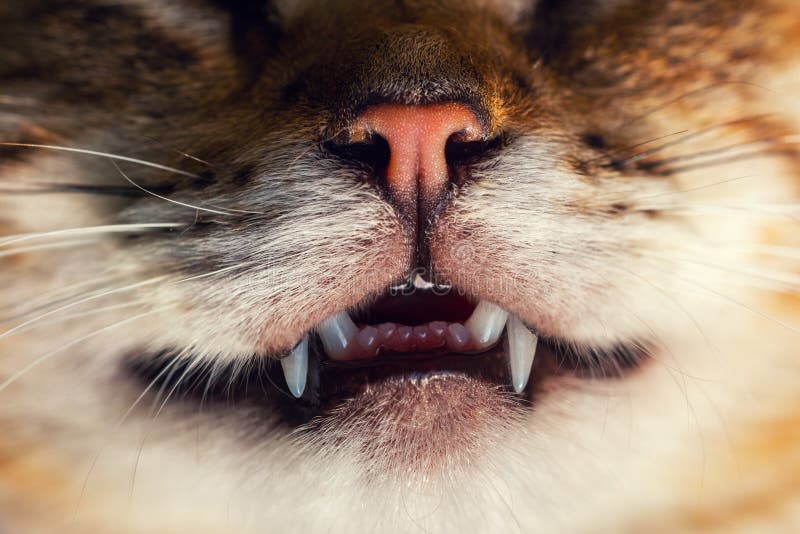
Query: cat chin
(411,426)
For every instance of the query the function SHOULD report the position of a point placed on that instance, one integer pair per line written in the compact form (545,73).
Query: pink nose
(417,174)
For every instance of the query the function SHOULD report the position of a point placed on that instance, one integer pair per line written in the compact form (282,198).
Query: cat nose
(417,148)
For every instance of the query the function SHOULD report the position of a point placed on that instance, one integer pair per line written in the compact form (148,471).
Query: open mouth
(421,360)
(414,330)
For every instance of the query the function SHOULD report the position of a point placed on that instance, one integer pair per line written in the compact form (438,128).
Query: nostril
(372,151)
(460,151)
(413,155)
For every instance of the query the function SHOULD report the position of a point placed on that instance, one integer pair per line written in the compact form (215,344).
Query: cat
(399,266)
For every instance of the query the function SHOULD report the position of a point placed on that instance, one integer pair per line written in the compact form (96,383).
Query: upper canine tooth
(295,367)
(338,334)
(486,324)
(521,350)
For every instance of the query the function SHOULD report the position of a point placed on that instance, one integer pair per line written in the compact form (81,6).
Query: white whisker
(772,280)
(94,311)
(54,297)
(670,299)
(105,155)
(177,202)
(734,150)
(195,363)
(48,246)
(41,359)
(81,301)
(731,300)
(89,230)
(117,426)
(212,273)
(691,189)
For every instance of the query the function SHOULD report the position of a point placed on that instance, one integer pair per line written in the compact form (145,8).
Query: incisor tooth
(419,282)
(521,350)
(338,334)
(295,368)
(486,324)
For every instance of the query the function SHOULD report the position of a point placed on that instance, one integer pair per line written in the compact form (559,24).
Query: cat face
(400,263)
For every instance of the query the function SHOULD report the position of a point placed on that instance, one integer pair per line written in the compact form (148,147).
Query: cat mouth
(415,330)
(423,357)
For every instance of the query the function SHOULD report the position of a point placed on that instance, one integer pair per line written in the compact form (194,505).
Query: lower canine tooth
(295,368)
(338,334)
(521,350)
(486,324)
